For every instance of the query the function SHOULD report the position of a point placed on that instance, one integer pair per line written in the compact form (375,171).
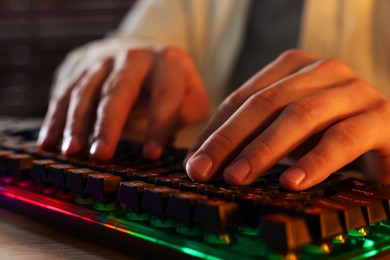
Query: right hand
(101,100)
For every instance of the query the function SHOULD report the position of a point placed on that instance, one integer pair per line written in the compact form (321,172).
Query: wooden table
(26,238)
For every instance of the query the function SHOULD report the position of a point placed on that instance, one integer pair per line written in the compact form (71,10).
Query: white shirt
(211,31)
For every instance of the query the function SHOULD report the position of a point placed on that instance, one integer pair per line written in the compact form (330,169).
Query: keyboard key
(125,173)
(155,200)
(19,165)
(57,174)
(354,185)
(372,209)
(323,224)
(171,182)
(195,187)
(181,206)
(283,233)
(219,192)
(103,186)
(4,155)
(250,206)
(351,216)
(145,176)
(40,170)
(131,193)
(216,215)
(273,206)
(77,179)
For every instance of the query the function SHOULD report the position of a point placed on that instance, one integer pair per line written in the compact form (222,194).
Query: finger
(117,98)
(287,63)
(82,107)
(175,82)
(340,145)
(53,125)
(258,112)
(297,123)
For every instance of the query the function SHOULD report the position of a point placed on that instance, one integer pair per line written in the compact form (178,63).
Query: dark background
(35,36)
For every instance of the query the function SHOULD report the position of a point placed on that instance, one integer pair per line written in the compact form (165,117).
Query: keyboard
(153,205)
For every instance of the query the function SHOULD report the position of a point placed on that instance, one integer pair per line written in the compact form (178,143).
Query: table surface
(25,238)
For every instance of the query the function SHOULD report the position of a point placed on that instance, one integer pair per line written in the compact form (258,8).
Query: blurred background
(35,36)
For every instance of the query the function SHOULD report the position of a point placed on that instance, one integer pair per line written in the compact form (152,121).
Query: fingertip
(100,150)
(71,145)
(294,179)
(199,167)
(45,141)
(237,173)
(152,150)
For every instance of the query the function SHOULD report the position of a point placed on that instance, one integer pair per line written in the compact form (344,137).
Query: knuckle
(138,54)
(221,142)
(320,159)
(294,54)
(346,133)
(175,56)
(233,101)
(265,100)
(264,148)
(335,64)
(383,106)
(291,54)
(332,62)
(169,52)
(306,109)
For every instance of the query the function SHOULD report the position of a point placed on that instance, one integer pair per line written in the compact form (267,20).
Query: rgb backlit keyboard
(154,205)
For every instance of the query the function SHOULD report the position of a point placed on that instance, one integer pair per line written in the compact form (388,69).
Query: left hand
(296,101)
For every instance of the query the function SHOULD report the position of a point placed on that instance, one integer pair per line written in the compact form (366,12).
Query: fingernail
(97,146)
(70,144)
(239,169)
(199,166)
(295,175)
(41,136)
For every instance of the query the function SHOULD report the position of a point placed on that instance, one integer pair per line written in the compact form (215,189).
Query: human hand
(102,98)
(298,104)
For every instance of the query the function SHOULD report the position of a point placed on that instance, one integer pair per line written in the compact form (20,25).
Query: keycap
(57,174)
(145,176)
(283,233)
(155,200)
(273,206)
(102,166)
(131,193)
(4,155)
(372,209)
(172,182)
(249,205)
(194,186)
(181,206)
(126,173)
(219,192)
(40,170)
(354,185)
(216,215)
(323,224)
(19,165)
(103,186)
(351,216)
(76,179)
